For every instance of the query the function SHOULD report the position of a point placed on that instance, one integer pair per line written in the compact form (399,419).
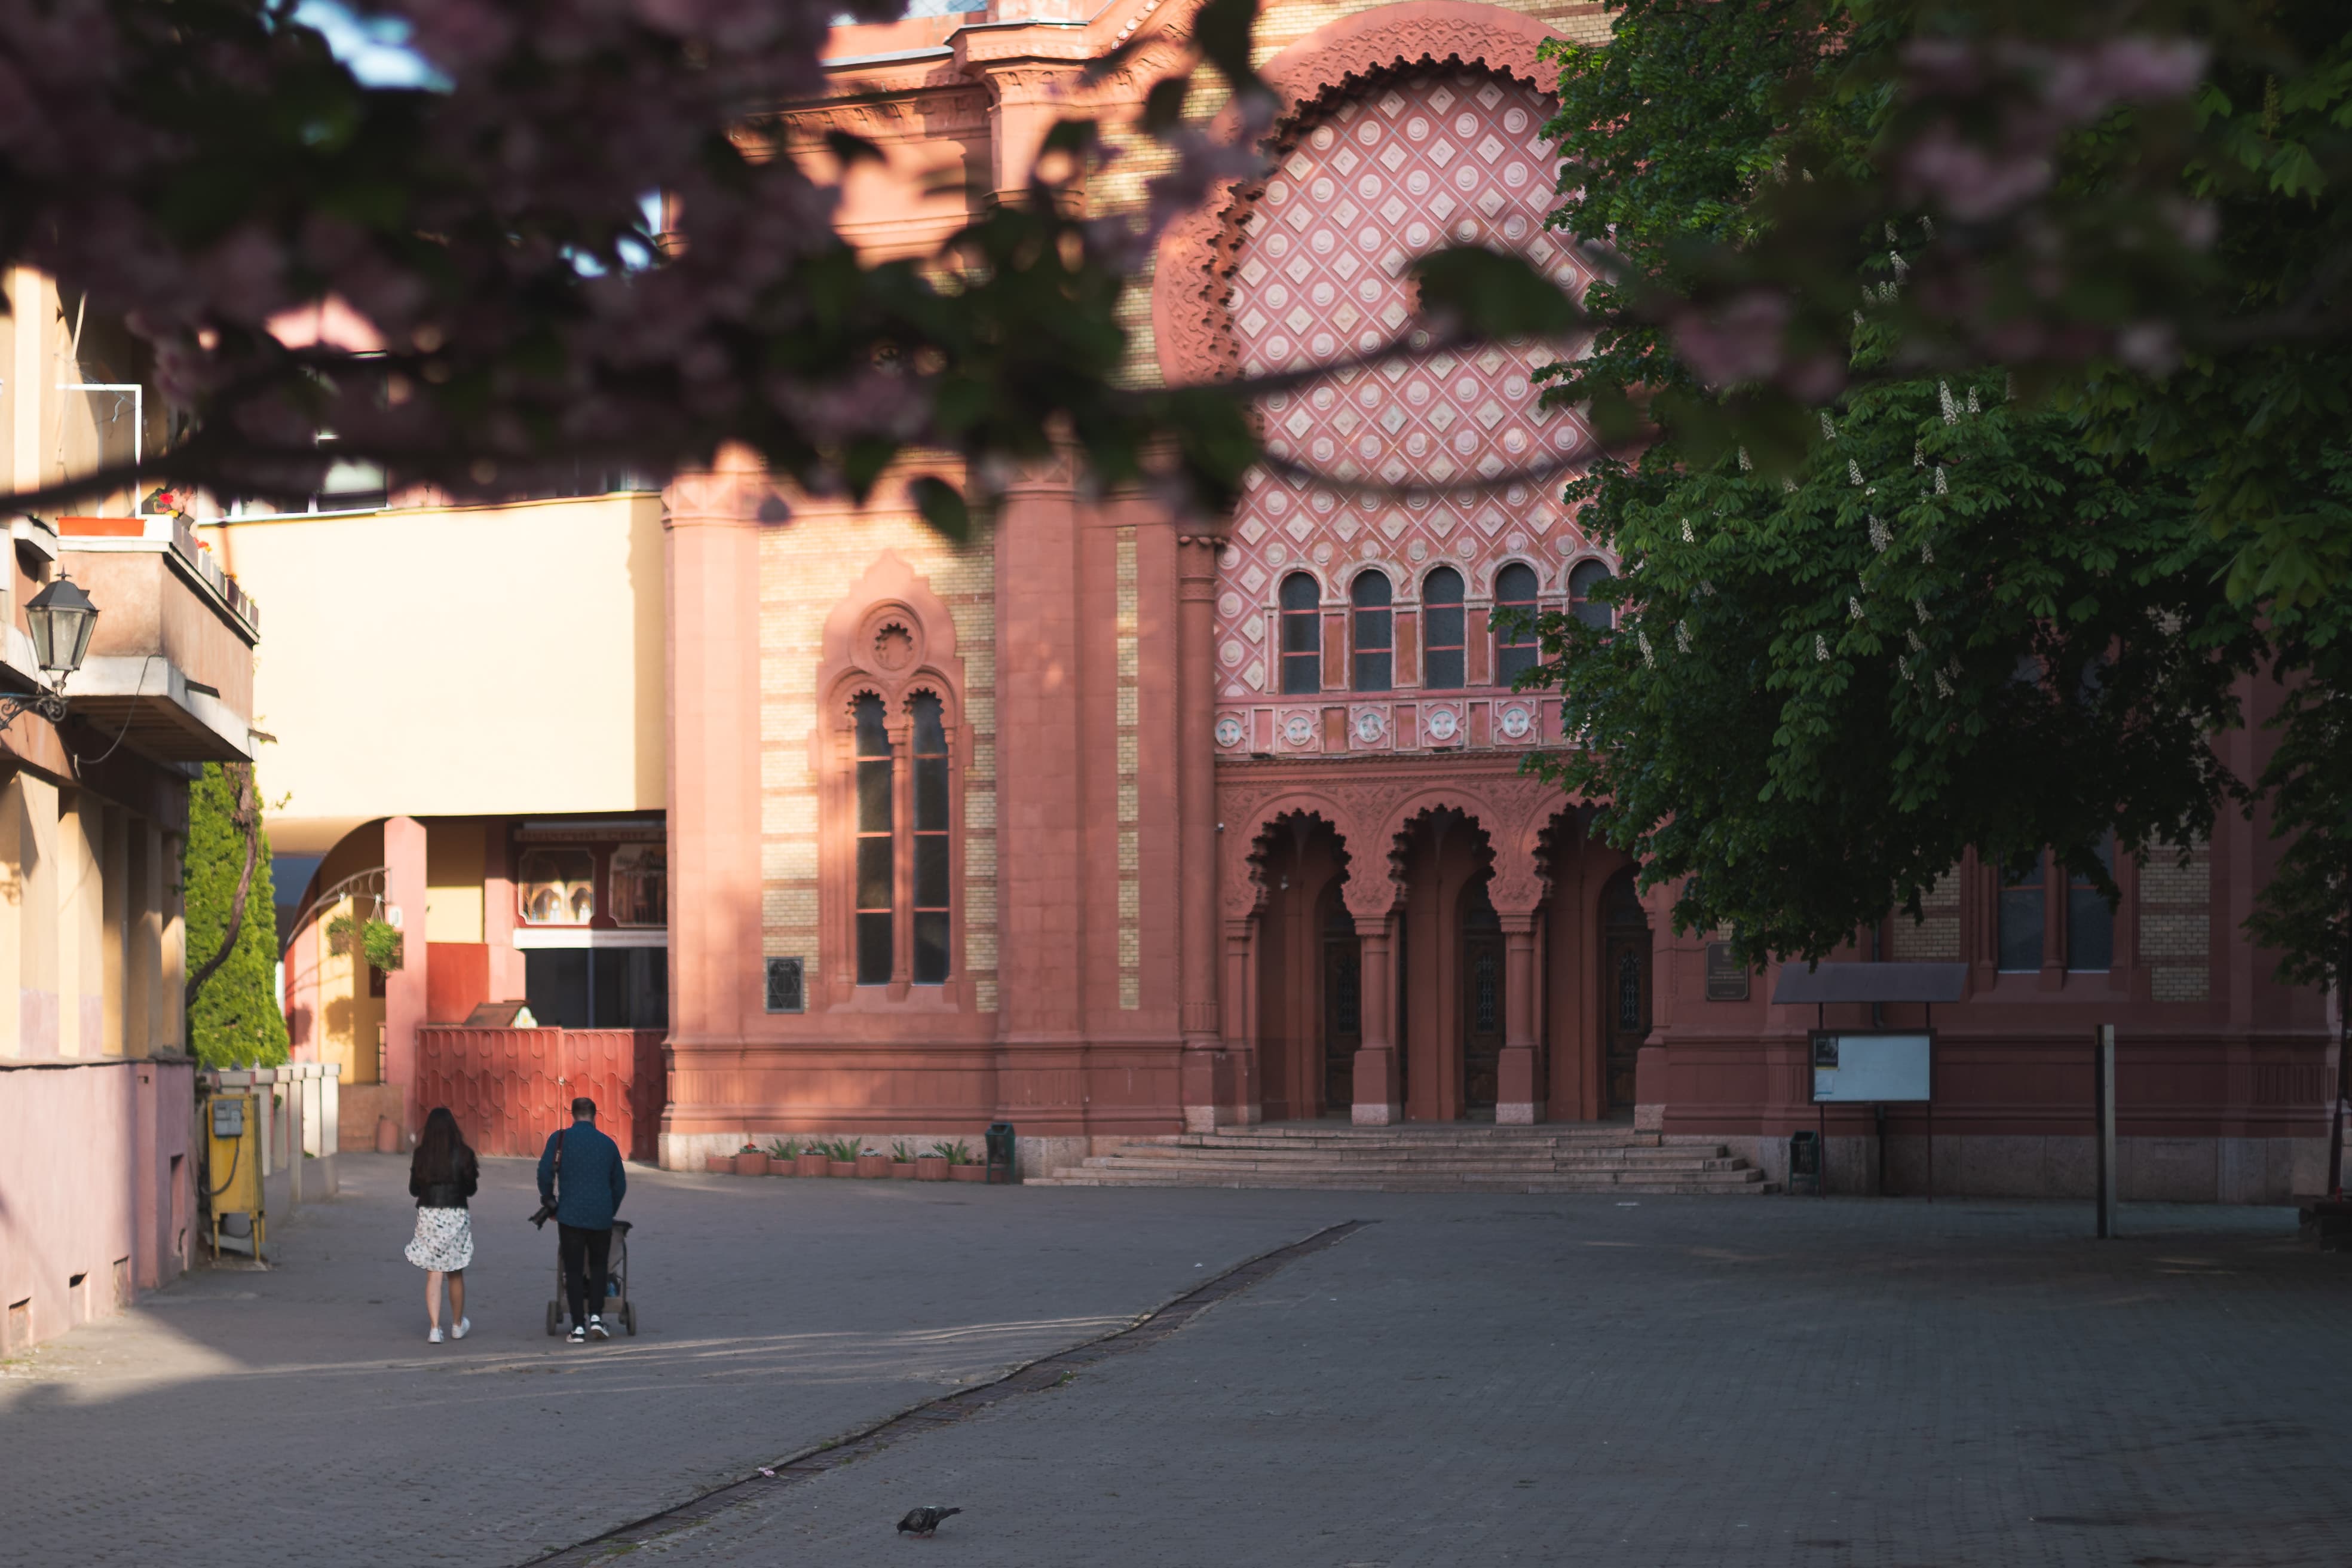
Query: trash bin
(1805,1161)
(1000,1153)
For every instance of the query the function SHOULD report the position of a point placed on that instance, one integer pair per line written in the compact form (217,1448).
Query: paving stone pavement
(1683,1382)
(1670,1382)
(298,1415)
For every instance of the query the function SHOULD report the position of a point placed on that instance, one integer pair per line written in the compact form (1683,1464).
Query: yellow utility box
(233,1163)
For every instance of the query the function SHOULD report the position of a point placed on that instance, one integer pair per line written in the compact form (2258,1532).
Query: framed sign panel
(1872,1069)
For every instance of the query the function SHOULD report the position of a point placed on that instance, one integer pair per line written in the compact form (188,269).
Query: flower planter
(966,1172)
(872,1166)
(902,1170)
(777,1167)
(814,1164)
(930,1168)
(751,1163)
(841,1168)
(719,1165)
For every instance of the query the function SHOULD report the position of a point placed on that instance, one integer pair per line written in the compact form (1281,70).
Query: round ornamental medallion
(1369,725)
(1440,723)
(1299,729)
(1229,730)
(1517,721)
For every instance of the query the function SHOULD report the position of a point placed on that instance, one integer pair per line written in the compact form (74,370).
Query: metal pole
(2102,1094)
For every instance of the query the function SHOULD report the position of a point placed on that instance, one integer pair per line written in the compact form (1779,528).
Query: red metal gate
(510,1088)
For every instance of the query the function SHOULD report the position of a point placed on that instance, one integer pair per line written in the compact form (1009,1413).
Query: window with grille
(1594,613)
(1515,645)
(1442,630)
(1374,633)
(2019,917)
(1629,990)
(1486,991)
(930,765)
(877,869)
(1302,636)
(2090,921)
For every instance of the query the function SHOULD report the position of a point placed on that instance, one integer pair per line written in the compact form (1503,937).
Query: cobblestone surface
(1684,1383)
(1671,1383)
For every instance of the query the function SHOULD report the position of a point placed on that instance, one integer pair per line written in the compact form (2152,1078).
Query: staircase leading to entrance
(1455,1157)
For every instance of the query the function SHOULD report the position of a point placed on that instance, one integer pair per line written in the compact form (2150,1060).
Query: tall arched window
(930,763)
(1442,630)
(1374,638)
(1515,647)
(1302,636)
(1594,613)
(878,867)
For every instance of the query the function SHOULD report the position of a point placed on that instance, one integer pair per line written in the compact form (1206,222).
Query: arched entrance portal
(1482,1001)
(1451,953)
(1624,988)
(1309,1013)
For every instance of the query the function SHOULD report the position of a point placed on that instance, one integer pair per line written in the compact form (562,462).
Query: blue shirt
(594,1181)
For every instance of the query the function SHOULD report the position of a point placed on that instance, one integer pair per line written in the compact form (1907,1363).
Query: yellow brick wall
(1935,937)
(806,567)
(2176,921)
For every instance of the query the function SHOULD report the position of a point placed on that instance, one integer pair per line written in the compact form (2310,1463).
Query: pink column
(1207,1079)
(1379,1100)
(1239,1013)
(506,979)
(404,988)
(1515,1092)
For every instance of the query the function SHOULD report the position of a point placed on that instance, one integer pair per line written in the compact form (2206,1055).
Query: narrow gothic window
(2021,913)
(1629,990)
(1441,634)
(2090,923)
(1581,582)
(1302,636)
(1514,646)
(1488,992)
(878,871)
(931,760)
(1374,639)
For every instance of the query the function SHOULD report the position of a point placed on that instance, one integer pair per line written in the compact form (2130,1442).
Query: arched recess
(1197,253)
(1577,871)
(1303,864)
(1448,938)
(892,639)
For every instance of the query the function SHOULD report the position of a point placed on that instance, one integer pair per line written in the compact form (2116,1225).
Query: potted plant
(813,1161)
(902,1161)
(718,1164)
(784,1157)
(750,1161)
(961,1167)
(842,1157)
(873,1162)
(932,1165)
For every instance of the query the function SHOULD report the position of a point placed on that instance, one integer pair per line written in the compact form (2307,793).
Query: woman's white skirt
(444,1240)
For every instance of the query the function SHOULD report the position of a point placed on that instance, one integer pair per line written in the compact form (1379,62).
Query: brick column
(1380,1097)
(1517,1098)
(1207,1079)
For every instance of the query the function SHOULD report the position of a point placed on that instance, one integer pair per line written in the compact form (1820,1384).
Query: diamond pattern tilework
(1454,157)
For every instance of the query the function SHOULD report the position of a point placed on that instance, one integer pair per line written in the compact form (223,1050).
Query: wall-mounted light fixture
(60,618)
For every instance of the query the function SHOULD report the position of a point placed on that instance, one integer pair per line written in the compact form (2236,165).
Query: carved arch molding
(1192,275)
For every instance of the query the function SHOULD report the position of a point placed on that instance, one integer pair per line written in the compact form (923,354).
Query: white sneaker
(579,1336)
(435,1337)
(465,1326)
(597,1328)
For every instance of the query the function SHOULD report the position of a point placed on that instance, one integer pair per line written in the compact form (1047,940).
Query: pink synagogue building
(1112,826)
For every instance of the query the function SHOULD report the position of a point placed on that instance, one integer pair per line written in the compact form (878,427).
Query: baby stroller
(617,1308)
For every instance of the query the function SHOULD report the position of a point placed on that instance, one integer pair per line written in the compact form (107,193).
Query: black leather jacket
(449,1194)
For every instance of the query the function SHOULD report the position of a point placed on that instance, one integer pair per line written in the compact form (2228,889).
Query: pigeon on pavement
(921,1521)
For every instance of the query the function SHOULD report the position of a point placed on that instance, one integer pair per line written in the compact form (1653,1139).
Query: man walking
(593,1184)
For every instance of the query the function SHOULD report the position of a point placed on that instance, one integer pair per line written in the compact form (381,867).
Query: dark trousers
(586,1253)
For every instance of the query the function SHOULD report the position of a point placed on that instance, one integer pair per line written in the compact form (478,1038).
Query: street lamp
(61,619)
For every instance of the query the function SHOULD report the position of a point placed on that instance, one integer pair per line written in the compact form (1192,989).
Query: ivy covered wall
(234,1020)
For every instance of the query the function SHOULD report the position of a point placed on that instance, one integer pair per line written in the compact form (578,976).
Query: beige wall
(456,661)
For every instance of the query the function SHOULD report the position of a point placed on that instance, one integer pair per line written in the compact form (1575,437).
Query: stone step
(1279,1156)
(1213,1160)
(1719,1183)
(1427,1132)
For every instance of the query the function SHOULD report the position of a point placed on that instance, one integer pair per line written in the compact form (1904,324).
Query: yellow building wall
(454,867)
(456,661)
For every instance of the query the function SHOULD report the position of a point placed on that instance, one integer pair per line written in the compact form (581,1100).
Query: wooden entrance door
(1482,1000)
(1624,988)
(1343,1028)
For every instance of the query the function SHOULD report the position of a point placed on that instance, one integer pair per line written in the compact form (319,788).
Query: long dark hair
(441,1151)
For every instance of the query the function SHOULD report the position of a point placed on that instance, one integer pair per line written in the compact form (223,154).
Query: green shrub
(233,1016)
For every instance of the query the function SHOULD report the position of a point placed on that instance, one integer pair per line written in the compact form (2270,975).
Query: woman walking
(441,1177)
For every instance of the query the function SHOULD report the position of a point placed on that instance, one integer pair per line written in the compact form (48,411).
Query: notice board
(1871,1069)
